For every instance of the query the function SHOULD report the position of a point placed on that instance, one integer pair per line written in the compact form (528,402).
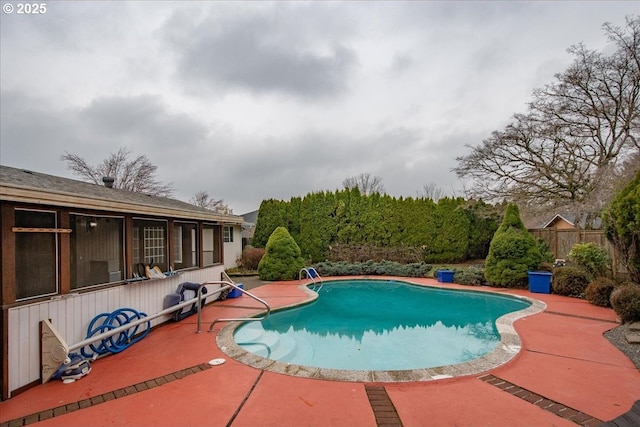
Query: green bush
(512,253)
(545,253)
(472,276)
(282,259)
(599,291)
(569,281)
(622,226)
(625,301)
(590,256)
(371,268)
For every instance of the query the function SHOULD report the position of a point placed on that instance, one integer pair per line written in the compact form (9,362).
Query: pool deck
(566,374)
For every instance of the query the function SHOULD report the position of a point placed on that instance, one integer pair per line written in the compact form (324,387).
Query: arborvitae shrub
(625,301)
(569,281)
(599,291)
(282,259)
(512,253)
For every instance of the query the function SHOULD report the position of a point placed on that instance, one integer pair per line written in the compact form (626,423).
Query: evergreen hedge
(450,230)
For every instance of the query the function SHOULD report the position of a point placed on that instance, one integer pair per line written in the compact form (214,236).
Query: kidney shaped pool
(375,325)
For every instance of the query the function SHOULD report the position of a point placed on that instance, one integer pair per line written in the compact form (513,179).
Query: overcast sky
(256,100)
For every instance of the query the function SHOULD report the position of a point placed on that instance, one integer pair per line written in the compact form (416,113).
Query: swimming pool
(401,328)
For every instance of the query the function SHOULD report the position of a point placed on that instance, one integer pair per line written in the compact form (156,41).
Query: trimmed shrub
(473,276)
(590,256)
(569,281)
(512,253)
(251,258)
(371,268)
(599,291)
(625,301)
(282,259)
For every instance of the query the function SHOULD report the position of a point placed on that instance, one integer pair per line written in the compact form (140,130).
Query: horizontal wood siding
(71,315)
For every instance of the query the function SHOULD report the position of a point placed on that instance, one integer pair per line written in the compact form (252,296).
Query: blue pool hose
(118,342)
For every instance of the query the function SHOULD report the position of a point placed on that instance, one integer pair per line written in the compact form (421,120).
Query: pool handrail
(236,319)
(312,274)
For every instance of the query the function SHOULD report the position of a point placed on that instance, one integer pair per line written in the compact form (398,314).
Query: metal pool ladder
(311,273)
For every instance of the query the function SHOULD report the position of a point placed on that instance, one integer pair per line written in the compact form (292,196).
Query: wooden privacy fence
(561,241)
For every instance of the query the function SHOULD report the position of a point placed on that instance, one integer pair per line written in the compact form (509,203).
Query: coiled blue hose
(118,342)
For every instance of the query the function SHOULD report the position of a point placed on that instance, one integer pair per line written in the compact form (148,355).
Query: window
(211,245)
(97,254)
(228,234)
(36,255)
(185,245)
(150,243)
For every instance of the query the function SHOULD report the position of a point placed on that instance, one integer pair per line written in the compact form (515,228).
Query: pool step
(253,338)
(302,351)
(249,333)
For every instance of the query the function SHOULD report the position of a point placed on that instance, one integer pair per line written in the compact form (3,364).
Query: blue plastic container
(445,276)
(540,282)
(234,292)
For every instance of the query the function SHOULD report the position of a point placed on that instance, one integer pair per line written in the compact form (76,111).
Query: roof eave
(34,196)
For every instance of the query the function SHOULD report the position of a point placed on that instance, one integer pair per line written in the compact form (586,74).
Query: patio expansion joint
(599,362)
(597,319)
(105,397)
(246,397)
(542,402)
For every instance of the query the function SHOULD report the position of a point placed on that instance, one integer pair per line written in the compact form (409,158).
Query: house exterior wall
(233,250)
(71,314)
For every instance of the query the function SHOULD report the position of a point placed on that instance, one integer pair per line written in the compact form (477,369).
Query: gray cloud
(252,52)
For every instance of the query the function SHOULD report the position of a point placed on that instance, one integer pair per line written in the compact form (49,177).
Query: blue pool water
(381,325)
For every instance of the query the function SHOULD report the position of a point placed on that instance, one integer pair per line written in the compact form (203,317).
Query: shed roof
(579,222)
(20,185)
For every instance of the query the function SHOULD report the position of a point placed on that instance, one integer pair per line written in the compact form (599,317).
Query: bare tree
(134,175)
(203,200)
(573,139)
(431,191)
(364,182)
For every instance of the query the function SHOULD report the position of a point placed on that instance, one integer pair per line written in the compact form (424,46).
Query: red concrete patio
(566,374)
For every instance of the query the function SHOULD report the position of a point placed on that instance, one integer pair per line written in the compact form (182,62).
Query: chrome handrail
(313,277)
(236,319)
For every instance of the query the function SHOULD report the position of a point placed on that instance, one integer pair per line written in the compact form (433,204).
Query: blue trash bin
(445,276)
(540,282)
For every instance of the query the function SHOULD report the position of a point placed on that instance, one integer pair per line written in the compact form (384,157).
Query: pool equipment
(74,368)
(54,350)
(108,321)
(186,291)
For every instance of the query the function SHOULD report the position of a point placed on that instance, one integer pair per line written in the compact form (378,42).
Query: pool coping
(509,346)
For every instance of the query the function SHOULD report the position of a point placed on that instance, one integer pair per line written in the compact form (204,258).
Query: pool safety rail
(54,351)
(311,273)
(239,319)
